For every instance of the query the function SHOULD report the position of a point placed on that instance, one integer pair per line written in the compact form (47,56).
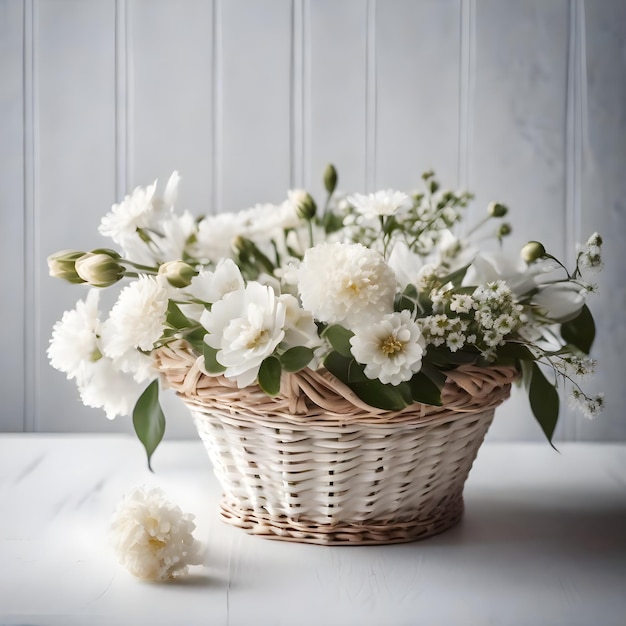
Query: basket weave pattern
(317,465)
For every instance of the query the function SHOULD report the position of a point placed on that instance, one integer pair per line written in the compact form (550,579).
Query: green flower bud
(303,203)
(63,265)
(504,230)
(99,269)
(330,178)
(178,273)
(495,209)
(532,251)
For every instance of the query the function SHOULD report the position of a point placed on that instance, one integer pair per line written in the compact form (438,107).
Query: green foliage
(148,419)
(543,397)
(296,358)
(269,376)
(339,338)
(580,331)
(211,364)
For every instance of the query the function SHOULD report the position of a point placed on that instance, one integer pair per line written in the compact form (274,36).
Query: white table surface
(543,542)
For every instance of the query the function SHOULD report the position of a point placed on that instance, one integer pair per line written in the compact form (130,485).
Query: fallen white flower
(152,537)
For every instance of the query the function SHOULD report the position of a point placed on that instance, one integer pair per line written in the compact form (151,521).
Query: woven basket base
(358,534)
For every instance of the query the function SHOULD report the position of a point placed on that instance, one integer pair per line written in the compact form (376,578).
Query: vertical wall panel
(603,96)
(169,76)
(518,138)
(74,177)
(417,91)
(336,88)
(12,215)
(254,95)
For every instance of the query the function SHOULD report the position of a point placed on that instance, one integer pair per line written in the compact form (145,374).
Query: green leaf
(175,317)
(196,339)
(269,376)
(511,352)
(296,358)
(443,356)
(339,366)
(148,419)
(339,338)
(402,302)
(580,331)
(456,277)
(211,364)
(544,401)
(379,395)
(434,374)
(424,390)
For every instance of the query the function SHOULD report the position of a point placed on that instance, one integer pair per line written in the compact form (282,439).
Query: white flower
(560,301)
(110,389)
(381,203)
(391,349)
(214,240)
(137,318)
(461,303)
(590,407)
(300,328)
(245,327)
(210,286)
(153,538)
(346,283)
(74,345)
(129,222)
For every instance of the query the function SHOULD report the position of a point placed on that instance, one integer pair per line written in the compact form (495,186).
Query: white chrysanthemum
(153,538)
(346,283)
(391,349)
(137,318)
(74,343)
(381,203)
(245,327)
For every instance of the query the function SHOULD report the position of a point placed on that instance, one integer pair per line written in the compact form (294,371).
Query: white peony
(346,283)
(391,349)
(245,327)
(137,319)
(153,538)
(210,286)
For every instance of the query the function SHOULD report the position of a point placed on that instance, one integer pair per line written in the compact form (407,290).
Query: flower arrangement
(377,289)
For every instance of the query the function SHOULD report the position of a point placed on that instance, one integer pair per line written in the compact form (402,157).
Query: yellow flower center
(257,339)
(391,345)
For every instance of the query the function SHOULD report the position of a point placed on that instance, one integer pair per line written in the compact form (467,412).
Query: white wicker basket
(317,465)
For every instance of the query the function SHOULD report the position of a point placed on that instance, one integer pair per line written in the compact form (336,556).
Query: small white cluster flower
(440,329)
(589,406)
(152,537)
(580,366)
(590,256)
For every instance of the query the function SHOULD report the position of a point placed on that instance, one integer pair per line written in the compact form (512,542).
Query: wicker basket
(317,465)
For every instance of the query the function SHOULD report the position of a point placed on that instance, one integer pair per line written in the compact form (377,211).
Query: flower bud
(99,269)
(504,229)
(495,209)
(303,203)
(532,251)
(63,265)
(178,273)
(330,178)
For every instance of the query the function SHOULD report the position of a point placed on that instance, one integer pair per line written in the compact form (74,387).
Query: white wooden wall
(522,101)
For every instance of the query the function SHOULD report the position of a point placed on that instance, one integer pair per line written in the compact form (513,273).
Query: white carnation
(110,389)
(137,318)
(391,349)
(74,345)
(245,327)
(346,283)
(153,538)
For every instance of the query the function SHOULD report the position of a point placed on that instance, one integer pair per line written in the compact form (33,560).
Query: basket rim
(317,395)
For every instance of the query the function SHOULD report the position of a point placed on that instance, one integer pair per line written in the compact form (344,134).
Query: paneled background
(522,101)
